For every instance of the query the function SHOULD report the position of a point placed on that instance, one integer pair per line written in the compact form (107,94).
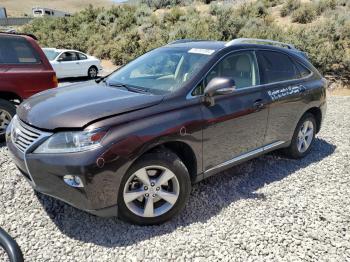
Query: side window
(17,50)
(68,56)
(242,67)
(303,71)
(82,56)
(276,67)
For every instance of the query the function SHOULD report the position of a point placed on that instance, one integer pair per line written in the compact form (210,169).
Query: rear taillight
(55,80)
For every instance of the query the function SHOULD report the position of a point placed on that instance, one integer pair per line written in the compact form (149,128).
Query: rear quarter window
(17,50)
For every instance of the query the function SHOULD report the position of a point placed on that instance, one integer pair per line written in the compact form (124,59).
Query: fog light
(73,181)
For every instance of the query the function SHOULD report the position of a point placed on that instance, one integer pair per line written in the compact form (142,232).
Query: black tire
(92,72)
(11,247)
(165,159)
(292,151)
(10,109)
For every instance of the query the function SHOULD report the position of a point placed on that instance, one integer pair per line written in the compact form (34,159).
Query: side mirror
(60,59)
(218,86)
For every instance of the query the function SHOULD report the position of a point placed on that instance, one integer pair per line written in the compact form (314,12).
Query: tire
(7,112)
(176,190)
(92,72)
(294,150)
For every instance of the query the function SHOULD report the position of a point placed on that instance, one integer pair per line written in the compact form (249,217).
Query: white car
(72,63)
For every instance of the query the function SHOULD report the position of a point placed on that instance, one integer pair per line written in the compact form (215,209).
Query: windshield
(162,70)
(51,54)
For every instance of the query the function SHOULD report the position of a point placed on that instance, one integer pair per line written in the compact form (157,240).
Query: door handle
(258,105)
(77,63)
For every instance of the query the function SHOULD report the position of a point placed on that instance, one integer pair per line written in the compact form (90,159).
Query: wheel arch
(10,96)
(182,150)
(317,113)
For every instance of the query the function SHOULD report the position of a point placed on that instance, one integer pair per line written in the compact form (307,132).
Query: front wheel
(303,137)
(154,190)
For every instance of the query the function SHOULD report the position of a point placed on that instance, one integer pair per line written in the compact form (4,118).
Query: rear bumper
(45,174)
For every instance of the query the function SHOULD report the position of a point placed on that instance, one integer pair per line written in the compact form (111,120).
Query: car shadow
(207,199)
(73,79)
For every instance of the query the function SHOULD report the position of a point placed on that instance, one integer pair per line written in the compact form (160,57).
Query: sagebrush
(124,32)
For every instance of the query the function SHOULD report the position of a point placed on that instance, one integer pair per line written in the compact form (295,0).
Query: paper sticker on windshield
(201,51)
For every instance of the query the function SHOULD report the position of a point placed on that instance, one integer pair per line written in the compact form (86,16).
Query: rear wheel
(154,190)
(7,111)
(303,137)
(92,72)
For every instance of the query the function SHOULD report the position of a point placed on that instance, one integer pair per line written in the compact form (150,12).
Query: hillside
(21,7)
(120,33)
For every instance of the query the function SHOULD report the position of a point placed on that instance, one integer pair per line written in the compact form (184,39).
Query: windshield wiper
(128,87)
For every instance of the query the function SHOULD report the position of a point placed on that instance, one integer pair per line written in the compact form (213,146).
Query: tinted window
(275,67)
(68,56)
(17,50)
(82,56)
(303,71)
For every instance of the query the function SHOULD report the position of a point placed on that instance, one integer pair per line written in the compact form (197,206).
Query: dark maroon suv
(131,144)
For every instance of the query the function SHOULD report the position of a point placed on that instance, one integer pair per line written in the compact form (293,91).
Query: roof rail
(259,41)
(15,33)
(180,41)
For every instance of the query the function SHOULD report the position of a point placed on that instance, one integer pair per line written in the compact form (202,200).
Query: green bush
(289,6)
(124,32)
(306,13)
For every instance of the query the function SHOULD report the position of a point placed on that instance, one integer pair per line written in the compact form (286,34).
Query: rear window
(276,67)
(17,50)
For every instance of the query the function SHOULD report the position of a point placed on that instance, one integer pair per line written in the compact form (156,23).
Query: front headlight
(70,142)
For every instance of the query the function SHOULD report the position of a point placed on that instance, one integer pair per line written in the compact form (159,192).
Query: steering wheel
(10,246)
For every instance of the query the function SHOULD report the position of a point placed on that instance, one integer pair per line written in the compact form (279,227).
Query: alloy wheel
(305,136)
(151,191)
(5,119)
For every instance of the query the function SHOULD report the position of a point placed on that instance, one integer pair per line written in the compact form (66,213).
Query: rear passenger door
(284,91)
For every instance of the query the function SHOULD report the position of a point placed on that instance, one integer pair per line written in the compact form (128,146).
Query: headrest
(243,64)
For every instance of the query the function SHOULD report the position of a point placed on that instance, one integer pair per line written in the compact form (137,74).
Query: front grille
(22,135)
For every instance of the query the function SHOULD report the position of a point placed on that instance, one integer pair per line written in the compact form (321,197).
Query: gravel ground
(270,208)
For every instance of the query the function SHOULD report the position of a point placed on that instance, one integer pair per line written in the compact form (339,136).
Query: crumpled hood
(77,105)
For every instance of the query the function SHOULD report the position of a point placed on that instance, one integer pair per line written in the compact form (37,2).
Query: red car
(24,71)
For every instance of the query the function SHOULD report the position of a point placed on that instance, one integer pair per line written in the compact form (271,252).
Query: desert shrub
(157,4)
(289,6)
(323,5)
(306,13)
(124,32)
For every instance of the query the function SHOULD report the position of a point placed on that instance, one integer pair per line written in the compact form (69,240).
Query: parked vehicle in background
(133,142)
(42,11)
(73,63)
(24,71)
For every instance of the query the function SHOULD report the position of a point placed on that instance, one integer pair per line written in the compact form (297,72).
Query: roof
(60,50)
(239,43)
(204,44)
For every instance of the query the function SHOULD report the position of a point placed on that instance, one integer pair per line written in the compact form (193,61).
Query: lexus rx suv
(132,144)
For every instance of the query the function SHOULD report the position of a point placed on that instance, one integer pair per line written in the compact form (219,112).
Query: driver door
(236,124)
